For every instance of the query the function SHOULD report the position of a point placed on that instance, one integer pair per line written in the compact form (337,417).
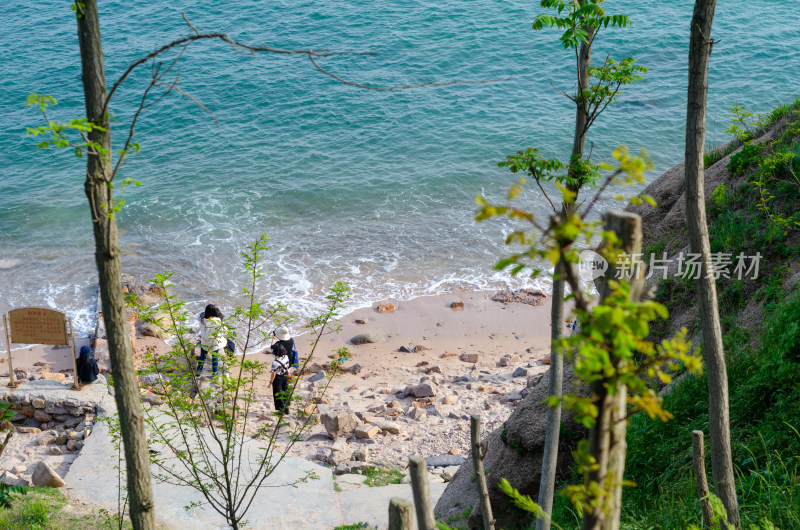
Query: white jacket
(212,334)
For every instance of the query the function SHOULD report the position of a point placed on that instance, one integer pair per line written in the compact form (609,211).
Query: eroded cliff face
(664,231)
(515,453)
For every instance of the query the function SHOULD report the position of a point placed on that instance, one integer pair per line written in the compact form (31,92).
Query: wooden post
(401,516)
(422,493)
(699,467)
(478,454)
(75,384)
(11,379)
(628,228)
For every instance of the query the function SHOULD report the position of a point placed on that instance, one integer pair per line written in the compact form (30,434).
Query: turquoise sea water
(375,188)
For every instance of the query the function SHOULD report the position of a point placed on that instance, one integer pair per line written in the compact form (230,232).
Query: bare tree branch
(310,53)
(197,102)
(192,26)
(599,193)
(157,74)
(400,87)
(562,92)
(553,206)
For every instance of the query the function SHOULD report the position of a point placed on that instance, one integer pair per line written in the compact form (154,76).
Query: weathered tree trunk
(421,490)
(401,514)
(99,193)
(581,116)
(628,228)
(718,409)
(599,448)
(547,483)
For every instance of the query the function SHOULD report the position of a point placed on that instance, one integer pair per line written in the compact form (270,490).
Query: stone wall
(50,426)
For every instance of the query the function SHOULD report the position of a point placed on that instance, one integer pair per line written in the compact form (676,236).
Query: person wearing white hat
(286,341)
(279,372)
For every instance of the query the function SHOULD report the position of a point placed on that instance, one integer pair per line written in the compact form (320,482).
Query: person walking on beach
(211,338)
(87,367)
(279,377)
(287,342)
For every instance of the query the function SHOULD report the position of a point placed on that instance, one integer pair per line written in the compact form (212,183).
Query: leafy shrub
(7,494)
(656,249)
(732,296)
(674,291)
(720,198)
(749,156)
(744,230)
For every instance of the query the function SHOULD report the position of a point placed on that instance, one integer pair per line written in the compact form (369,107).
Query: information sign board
(38,325)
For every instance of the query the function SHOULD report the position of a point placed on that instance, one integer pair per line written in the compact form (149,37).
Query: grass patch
(676,291)
(378,476)
(456,521)
(764,391)
(354,526)
(715,155)
(764,397)
(8,494)
(42,508)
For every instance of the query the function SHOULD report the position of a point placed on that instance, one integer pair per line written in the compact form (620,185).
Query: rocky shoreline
(418,370)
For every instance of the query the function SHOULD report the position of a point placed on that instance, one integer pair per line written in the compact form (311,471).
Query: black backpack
(279,350)
(291,352)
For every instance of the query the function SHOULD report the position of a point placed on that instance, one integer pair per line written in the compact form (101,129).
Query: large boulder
(147,294)
(367,432)
(44,475)
(339,456)
(319,376)
(427,389)
(354,369)
(515,456)
(388,426)
(150,329)
(470,357)
(339,424)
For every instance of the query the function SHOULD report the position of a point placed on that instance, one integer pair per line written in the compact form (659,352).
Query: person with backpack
(211,338)
(287,342)
(279,377)
(87,367)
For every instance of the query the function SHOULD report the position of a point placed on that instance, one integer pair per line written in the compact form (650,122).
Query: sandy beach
(440,328)
(483,326)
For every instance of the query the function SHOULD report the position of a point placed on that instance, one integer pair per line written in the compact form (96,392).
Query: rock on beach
(367,338)
(339,424)
(44,475)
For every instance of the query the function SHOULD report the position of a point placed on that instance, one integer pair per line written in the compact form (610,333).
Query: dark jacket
(282,347)
(87,370)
